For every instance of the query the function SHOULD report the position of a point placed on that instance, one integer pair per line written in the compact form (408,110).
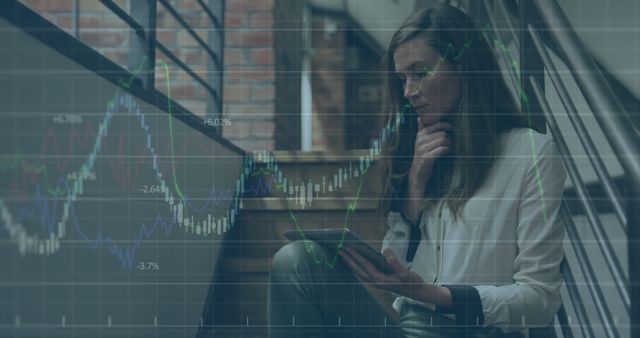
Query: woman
(468,182)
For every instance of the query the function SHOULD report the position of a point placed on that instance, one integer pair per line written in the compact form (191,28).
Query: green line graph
(19,161)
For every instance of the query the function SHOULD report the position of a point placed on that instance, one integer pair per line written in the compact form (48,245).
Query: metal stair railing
(581,253)
(548,17)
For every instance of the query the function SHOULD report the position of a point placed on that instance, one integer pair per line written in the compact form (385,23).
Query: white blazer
(508,242)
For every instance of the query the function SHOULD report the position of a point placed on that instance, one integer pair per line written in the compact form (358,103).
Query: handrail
(189,29)
(113,7)
(55,38)
(601,171)
(615,122)
(622,136)
(578,305)
(618,129)
(512,75)
(214,19)
(581,254)
(188,70)
(565,327)
(502,6)
(602,239)
(621,92)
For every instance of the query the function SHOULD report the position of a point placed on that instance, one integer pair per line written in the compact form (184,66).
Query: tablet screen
(334,239)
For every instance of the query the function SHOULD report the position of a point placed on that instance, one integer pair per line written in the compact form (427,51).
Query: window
(187,47)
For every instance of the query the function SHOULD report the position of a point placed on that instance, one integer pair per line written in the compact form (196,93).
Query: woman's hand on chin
(432,142)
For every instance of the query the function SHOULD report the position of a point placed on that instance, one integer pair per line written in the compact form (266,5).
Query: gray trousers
(312,296)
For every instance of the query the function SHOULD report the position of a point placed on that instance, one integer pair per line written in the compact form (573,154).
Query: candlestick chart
(113,209)
(110,207)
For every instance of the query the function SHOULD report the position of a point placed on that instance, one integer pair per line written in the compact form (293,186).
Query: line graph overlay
(88,177)
(111,175)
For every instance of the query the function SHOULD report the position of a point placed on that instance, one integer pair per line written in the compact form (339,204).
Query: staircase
(601,294)
(242,280)
(556,71)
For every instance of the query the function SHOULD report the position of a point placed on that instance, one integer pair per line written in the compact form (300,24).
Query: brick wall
(183,88)
(261,92)
(262,79)
(249,83)
(102,30)
(262,64)
(56,11)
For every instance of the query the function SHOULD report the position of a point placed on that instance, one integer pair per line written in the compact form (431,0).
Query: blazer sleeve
(534,297)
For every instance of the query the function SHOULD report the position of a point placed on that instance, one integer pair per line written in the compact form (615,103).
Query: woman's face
(431,85)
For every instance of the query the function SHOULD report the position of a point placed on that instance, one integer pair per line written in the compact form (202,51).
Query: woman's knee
(291,256)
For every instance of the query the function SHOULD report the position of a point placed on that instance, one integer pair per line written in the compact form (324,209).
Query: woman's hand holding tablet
(338,240)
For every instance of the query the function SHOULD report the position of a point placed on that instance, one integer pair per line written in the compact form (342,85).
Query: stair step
(242,281)
(269,225)
(268,186)
(323,203)
(261,233)
(295,157)
(319,168)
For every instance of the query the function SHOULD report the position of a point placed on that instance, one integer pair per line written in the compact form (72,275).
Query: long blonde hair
(485,110)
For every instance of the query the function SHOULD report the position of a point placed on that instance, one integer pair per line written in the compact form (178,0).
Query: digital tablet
(332,238)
